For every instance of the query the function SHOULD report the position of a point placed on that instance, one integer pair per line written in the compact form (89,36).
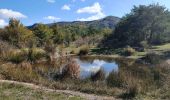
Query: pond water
(87,67)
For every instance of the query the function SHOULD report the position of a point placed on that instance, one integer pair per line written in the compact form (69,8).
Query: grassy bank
(18,92)
(163,49)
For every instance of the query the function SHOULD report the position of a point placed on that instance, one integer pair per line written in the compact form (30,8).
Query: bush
(152,58)
(115,79)
(128,51)
(74,51)
(19,72)
(98,76)
(34,54)
(16,57)
(71,70)
(84,51)
(144,44)
(131,92)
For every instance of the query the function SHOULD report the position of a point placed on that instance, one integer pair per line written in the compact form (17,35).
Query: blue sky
(47,11)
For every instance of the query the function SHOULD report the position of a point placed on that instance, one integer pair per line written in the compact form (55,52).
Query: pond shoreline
(113,56)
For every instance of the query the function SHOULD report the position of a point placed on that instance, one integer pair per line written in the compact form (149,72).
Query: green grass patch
(18,92)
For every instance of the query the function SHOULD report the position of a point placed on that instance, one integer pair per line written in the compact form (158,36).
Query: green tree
(145,23)
(42,33)
(17,34)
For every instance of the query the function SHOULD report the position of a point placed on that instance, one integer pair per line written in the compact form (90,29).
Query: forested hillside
(107,22)
(77,32)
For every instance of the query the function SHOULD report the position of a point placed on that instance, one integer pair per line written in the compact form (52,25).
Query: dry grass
(72,70)
(99,75)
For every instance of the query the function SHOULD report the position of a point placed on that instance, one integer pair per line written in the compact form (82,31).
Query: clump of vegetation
(71,70)
(74,51)
(17,34)
(99,75)
(128,51)
(15,56)
(84,51)
(21,72)
(144,45)
(35,54)
(152,58)
(50,49)
(115,79)
(132,88)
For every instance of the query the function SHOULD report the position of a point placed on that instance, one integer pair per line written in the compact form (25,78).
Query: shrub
(128,51)
(71,70)
(152,58)
(99,75)
(19,72)
(34,54)
(16,57)
(115,79)
(74,51)
(131,92)
(132,88)
(144,44)
(84,51)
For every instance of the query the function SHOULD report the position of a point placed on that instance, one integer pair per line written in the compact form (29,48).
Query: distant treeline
(19,35)
(143,26)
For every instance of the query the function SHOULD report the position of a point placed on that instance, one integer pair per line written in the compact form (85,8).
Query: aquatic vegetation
(98,76)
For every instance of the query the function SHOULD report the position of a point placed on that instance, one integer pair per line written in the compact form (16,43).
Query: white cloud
(83,0)
(51,1)
(93,17)
(66,7)
(7,13)
(52,18)
(2,23)
(94,9)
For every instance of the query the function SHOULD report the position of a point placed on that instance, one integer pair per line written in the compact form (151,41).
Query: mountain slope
(107,22)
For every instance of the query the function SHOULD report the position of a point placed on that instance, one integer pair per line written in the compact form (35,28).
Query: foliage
(50,49)
(84,51)
(42,33)
(152,58)
(17,34)
(128,51)
(17,57)
(99,75)
(115,79)
(144,23)
(71,70)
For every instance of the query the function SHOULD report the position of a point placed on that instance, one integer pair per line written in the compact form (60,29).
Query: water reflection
(92,66)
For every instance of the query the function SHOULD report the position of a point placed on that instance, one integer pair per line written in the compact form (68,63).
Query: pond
(90,66)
